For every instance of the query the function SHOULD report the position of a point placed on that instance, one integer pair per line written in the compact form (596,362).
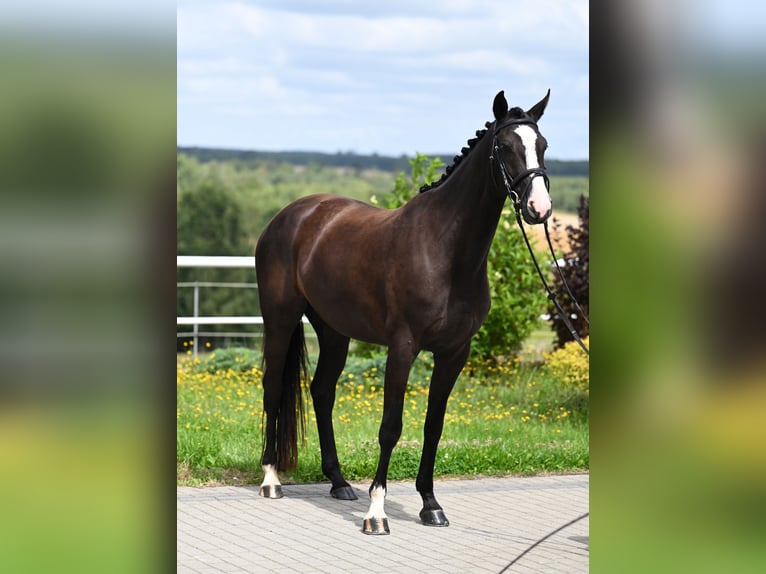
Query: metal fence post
(195,343)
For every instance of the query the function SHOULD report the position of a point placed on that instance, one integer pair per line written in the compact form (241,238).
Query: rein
(510,185)
(551,296)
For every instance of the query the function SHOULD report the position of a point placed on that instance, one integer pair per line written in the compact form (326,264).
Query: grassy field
(510,419)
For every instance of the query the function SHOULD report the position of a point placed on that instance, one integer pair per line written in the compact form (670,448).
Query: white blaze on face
(539,200)
(377,496)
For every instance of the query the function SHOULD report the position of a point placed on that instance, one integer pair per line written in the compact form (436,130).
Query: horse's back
(299,225)
(297,231)
(321,208)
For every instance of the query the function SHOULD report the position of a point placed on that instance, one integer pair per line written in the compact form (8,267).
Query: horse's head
(519,149)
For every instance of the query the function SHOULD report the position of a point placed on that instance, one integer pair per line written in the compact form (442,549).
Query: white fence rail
(219,321)
(215,261)
(195,320)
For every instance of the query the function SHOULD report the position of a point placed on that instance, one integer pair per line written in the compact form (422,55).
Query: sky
(392,78)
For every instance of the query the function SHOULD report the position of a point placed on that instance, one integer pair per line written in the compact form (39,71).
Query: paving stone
(492,522)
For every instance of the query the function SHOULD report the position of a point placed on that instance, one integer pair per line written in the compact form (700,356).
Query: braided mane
(513,112)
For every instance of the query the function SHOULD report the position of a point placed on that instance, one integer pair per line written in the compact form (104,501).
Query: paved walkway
(492,522)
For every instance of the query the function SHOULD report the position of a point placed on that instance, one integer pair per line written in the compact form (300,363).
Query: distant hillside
(351,160)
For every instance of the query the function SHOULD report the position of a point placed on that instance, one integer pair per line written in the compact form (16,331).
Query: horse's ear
(536,111)
(500,106)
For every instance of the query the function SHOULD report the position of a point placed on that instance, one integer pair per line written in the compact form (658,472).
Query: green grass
(512,419)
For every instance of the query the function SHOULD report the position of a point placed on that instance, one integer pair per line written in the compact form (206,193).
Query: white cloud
(333,62)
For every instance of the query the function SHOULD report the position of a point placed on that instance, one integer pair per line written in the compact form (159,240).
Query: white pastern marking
(270,477)
(539,195)
(377,496)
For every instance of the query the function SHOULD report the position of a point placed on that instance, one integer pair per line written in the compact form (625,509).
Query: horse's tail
(290,419)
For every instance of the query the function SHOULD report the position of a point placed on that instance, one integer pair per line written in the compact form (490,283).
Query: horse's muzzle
(532,217)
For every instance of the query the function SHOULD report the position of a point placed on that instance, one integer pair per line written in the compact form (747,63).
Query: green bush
(424,171)
(237,359)
(570,365)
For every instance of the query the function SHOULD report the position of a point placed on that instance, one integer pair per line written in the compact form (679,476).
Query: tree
(576,272)
(209,223)
(424,170)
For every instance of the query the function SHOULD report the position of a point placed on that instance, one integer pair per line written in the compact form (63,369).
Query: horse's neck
(470,203)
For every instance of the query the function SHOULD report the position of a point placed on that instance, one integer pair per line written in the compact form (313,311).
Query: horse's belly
(352,319)
(349,305)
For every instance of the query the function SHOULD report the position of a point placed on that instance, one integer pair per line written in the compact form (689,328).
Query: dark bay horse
(411,278)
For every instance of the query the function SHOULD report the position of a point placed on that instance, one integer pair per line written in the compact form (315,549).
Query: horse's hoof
(376,526)
(343,493)
(271,491)
(433,517)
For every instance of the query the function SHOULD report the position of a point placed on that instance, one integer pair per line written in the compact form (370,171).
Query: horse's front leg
(447,367)
(398,365)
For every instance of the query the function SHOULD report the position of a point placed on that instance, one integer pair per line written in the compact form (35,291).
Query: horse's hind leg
(282,355)
(274,353)
(333,350)
(447,367)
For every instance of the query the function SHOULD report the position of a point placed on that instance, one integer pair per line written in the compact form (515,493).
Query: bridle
(515,195)
(510,182)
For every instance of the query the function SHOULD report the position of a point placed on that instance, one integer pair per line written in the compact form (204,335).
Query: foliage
(501,419)
(209,223)
(566,191)
(300,158)
(263,187)
(262,183)
(576,271)
(578,168)
(570,365)
(423,170)
(235,359)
